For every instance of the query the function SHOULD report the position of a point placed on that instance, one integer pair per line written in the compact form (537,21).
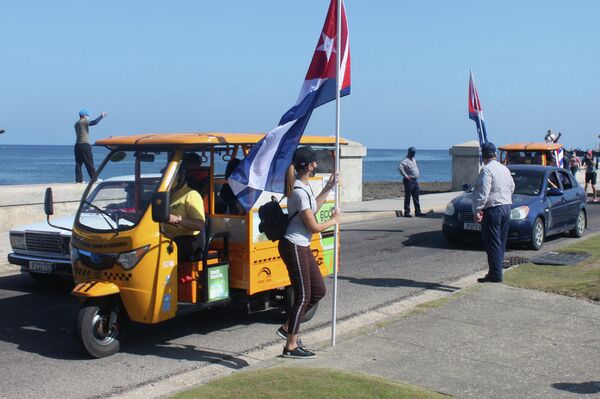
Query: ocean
(40,164)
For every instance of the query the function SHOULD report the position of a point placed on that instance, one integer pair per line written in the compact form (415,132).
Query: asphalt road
(382,261)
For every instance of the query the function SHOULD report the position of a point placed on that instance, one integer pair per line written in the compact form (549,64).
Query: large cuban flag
(264,168)
(476,111)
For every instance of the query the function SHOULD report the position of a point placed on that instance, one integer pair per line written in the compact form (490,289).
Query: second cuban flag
(263,169)
(476,111)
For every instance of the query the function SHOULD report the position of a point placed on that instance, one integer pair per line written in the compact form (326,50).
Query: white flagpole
(338,85)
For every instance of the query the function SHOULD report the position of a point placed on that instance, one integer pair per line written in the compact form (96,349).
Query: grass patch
(581,281)
(296,382)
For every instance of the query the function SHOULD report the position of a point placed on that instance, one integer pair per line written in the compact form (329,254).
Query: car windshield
(527,183)
(119,202)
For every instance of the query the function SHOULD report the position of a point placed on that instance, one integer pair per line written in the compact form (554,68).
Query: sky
(237,66)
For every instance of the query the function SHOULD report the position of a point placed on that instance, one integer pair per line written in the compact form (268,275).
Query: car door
(557,208)
(571,196)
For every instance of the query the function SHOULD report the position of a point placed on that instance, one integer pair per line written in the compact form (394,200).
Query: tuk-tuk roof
(202,138)
(532,146)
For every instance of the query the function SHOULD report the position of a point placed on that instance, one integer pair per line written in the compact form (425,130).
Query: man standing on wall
(492,197)
(410,174)
(83,148)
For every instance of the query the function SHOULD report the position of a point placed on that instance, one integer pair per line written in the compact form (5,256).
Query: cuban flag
(264,168)
(560,157)
(476,111)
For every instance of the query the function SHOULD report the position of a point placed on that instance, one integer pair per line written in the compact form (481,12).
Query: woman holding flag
(294,247)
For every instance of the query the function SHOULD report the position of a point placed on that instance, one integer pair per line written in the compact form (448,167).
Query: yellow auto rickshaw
(125,267)
(532,153)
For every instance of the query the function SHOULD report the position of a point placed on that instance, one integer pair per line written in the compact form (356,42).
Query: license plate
(38,266)
(472,226)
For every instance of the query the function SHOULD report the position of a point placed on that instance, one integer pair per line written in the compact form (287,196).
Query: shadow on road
(41,319)
(582,387)
(436,239)
(399,282)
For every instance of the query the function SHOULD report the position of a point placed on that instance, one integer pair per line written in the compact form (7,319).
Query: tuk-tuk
(532,153)
(125,267)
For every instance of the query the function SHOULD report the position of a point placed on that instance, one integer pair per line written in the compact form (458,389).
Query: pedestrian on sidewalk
(574,164)
(294,246)
(410,175)
(591,167)
(492,197)
(83,148)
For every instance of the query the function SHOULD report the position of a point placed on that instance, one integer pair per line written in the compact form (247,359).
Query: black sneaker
(281,333)
(298,353)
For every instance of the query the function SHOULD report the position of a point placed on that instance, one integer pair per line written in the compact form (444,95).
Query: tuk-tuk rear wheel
(98,337)
(289,302)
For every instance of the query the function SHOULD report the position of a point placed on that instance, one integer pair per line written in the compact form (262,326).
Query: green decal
(218,282)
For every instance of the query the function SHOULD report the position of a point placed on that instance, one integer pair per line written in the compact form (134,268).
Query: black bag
(273,222)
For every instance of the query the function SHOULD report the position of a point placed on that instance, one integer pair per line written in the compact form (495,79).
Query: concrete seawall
(24,204)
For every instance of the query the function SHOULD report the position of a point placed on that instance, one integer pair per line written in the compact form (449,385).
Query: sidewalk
(494,341)
(481,341)
(376,209)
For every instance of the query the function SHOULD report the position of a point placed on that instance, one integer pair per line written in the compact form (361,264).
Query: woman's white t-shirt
(302,198)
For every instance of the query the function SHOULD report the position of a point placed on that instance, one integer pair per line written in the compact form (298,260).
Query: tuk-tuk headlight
(128,260)
(449,209)
(17,241)
(519,213)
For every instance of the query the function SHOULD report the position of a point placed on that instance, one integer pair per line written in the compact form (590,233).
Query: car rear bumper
(57,267)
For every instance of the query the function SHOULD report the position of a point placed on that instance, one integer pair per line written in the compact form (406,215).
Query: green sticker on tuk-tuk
(327,239)
(218,282)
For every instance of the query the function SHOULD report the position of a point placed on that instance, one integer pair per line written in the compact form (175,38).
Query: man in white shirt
(492,197)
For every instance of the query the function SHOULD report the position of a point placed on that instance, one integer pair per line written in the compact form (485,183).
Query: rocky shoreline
(395,189)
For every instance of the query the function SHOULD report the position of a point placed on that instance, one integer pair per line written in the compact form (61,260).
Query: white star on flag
(328,45)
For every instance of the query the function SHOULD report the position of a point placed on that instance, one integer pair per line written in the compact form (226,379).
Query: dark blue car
(547,200)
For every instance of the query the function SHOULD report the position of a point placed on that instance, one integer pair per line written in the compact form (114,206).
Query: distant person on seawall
(83,148)
(410,174)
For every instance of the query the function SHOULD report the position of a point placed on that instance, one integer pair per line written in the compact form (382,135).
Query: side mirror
(161,207)
(554,192)
(466,187)
(48,202)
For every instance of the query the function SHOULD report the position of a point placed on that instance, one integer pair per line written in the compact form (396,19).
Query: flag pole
(338,85)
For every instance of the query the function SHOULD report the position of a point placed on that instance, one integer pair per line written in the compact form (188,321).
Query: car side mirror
(161,207)
(554,192)
(48,202)
(466,187)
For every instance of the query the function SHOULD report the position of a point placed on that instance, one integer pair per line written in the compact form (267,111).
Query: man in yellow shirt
(187,220)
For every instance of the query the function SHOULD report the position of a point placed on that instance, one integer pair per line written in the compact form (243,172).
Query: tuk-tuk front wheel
(99,325)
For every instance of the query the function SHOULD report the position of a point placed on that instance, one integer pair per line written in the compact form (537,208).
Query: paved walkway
(494,341)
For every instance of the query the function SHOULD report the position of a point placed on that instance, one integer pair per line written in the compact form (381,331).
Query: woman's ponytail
(290,177)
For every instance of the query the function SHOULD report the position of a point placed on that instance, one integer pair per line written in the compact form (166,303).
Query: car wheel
(579,228)
(537,234)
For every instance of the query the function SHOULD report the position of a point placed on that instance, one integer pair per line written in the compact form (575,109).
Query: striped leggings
(306,278)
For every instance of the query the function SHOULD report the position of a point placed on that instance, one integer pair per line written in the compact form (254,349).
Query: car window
(565,179)
(527,184)
(553,181)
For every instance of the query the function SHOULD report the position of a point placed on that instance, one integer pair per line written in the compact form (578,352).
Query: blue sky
(158,66)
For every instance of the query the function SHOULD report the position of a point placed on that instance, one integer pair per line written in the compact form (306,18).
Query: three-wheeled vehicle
(125,266)
(545,154)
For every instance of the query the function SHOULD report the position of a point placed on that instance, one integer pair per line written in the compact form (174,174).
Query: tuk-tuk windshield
(124,191)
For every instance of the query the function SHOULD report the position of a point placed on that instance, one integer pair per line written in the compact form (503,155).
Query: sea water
(39,164)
